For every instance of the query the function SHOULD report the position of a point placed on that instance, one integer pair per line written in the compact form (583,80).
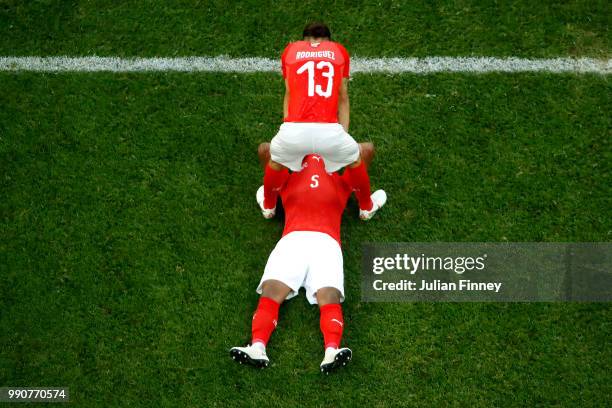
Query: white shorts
(295,140)
(308,259)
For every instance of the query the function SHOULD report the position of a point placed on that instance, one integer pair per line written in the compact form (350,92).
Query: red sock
(273,181)
(331,323)
(264,320)
(361,184)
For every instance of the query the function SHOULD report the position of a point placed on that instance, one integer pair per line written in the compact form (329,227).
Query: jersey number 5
(315,181)
(328,72)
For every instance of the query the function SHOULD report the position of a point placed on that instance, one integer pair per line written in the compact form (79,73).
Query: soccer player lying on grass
(308,255)
(316,117)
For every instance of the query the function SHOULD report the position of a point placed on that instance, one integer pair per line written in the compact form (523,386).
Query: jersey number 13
(327,71)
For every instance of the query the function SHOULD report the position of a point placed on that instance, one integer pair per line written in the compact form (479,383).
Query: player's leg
(348,152)
(360,176)
(369,203)
(282,278)
(275,290)
(286,150)
(275,175)
(379,197)
(331,323)
(265,318)
(339,149)
(360,180)
(324,286)
(264,322)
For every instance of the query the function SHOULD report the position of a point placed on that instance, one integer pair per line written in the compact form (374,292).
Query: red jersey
(314,200)
(314,72)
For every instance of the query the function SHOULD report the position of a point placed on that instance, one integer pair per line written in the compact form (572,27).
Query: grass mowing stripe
(426,65)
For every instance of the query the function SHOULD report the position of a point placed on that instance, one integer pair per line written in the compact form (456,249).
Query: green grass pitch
(130,242)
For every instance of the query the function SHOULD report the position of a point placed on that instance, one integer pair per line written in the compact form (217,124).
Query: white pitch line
(428,65)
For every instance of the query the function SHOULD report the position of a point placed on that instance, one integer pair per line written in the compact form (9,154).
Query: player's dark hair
(317,30)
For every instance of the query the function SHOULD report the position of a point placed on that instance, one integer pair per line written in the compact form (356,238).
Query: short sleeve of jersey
(347,63)
(283,63)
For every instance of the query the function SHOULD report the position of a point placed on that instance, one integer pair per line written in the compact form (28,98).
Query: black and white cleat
(250,355)
(335,359)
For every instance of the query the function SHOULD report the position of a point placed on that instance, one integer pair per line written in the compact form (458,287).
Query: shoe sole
(341,359)
(243,358)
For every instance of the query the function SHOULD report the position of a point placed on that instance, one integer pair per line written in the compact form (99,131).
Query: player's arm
(286,99)
(284,72)
(343,105)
